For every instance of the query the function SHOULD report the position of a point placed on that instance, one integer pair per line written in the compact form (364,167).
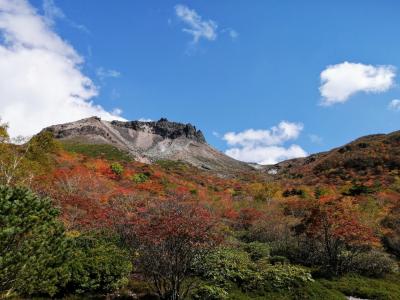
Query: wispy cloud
(394,105)
(52,12)
(265,146)
(339,82)
(315,139)
(233,34)
(107,73)
(41,81)
(196,26)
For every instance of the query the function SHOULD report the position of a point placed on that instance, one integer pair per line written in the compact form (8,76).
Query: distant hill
(149,142)
(366,158)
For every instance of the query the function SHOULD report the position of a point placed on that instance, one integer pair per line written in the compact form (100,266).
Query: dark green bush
(98,266)
(257,250)
(278,260)
(33,246)
(356,190)
(38,258)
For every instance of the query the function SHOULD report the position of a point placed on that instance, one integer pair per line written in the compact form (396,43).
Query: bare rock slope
(150,141)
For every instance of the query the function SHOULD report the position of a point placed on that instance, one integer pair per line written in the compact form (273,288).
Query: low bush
(225,266)
(97,265)
(274,260)
(257,250)
(139,178)
(374,264)
(278,277)
(117,168)
(209,292)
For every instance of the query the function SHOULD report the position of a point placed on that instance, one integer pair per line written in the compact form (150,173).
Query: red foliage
(337,219)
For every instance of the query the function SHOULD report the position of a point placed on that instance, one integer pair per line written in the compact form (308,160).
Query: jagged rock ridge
(151,141)
(165,128)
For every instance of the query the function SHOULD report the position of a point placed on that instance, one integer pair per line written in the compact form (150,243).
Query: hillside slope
(367,158)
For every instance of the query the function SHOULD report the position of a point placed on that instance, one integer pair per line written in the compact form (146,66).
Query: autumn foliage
(170,237)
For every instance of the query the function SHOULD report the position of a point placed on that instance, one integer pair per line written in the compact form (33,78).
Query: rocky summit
(151,141)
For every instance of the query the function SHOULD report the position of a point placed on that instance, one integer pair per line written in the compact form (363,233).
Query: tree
(21,158)
(33,247)
(12,159)
(171,237)
(332,234)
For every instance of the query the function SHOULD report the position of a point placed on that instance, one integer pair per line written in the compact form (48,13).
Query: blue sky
(261,64)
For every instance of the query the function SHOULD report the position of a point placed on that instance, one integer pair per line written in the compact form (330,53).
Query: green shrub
(117,168)
(278,260)
(374,264)
(257,250)
(356,190)
(285,276)
(209,292)
(98,266)
(33,246)
(225,266)
(139,178)
(38,258)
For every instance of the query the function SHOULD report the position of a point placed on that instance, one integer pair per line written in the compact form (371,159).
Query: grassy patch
(367,288)
(97,151)
(387,288)
(312,291)
(171,165)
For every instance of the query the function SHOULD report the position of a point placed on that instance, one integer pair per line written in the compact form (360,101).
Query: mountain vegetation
(82,219)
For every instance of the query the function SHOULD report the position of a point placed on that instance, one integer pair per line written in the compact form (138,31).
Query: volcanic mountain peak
(150,141)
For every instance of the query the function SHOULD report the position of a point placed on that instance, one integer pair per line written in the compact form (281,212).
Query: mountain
(371,157)
(150,141)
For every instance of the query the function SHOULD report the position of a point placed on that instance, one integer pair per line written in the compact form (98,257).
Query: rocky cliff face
(165,129)
(151,141)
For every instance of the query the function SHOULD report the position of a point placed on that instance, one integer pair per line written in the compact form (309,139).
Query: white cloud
(197,27)
(275,136)
(265,146)
(394,105)
(266,155)
(104,73)
(339,82)
(41,82)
